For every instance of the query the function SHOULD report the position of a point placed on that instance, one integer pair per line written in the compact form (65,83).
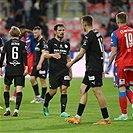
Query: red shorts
(30,61)
(123,76)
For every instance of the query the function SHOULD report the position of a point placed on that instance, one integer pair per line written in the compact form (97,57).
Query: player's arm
(25,61)
(70,69)
(103,75)
(77,58)
(112,56)
(1,62)
(113,44)
(45,54)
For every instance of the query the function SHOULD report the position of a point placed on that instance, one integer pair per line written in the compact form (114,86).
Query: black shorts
(93,79)
(58,78)
(42,73)
(18,80)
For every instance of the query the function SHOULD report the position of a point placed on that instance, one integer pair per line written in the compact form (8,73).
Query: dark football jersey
(93,45)
(40,45)
(14,50)
(54,46)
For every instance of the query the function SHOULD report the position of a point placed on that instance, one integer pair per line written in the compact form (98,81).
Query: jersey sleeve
(32,43)
(49,46)
(44,45)
(114,40)
(3,55)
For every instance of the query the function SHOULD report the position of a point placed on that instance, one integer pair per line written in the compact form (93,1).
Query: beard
(60,37)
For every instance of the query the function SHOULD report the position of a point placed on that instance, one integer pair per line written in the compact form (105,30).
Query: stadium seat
(107,8)
(69,25)
(99,8)
(91,8)
(51,24)
(97,24)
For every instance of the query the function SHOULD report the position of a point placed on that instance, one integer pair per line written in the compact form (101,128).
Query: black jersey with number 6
(93,44)
(14,50)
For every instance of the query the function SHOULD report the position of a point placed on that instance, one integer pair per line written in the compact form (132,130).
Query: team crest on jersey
(121,31)
(66,46)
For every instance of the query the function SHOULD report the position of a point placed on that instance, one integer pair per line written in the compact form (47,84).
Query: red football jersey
(122,38)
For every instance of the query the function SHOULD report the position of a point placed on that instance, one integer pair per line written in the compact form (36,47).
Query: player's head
(86,21)
(59,30)
(22,29)
(14,31)
(37,31)
(121,18)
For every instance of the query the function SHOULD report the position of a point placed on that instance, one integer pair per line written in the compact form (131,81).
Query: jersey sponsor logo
(66,78)
(66,46)
(14,63)
(55,45)
(91,78)
(122,81)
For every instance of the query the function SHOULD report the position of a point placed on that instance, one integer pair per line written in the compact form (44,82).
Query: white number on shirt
(100,44)
(14,52)
(129,40)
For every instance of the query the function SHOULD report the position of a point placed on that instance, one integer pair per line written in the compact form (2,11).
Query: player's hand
(39,66)
(69,64)
(56,56)
(107,70)
(1,73)
(25,71)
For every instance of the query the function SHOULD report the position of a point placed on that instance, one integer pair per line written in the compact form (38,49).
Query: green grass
(32,120)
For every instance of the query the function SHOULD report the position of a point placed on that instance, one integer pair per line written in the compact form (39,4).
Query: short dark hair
(58,25)
(88,19)
(37,28)
(22,27)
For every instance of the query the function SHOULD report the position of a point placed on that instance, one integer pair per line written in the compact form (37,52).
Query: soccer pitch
(32,120)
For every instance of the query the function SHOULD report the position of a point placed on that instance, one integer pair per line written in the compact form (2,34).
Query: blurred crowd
(34,12)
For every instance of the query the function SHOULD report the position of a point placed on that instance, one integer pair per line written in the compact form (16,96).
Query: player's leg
(49,96)
(13,98)
(34,83)
(121,81)
(95,79)
(81,106)
(63,101)
(102,103)
(43,76)
(6,98)
(129,79)
(7,82)
(54,84)
(19,84)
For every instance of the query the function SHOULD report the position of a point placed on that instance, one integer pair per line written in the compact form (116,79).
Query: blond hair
(15,31)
